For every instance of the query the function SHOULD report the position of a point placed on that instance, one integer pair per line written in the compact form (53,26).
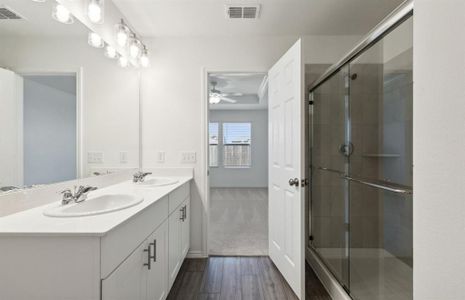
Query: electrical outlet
(123,157)
(161,157)
(95,157)
(188,157)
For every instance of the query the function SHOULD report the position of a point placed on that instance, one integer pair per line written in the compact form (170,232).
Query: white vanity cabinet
(157,276)
(179,232)
(149,269)
(141,275)
(136,259)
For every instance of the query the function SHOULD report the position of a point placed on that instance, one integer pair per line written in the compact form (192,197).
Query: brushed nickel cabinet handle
(182,214)
(148,264)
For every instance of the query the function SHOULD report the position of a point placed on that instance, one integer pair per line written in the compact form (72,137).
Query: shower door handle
(294,181)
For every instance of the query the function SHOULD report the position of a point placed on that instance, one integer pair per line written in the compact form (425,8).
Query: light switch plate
(161,156)
(94,157)
(123,157)
(188,157)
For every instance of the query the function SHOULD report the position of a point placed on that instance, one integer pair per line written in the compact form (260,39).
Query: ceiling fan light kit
(216,96)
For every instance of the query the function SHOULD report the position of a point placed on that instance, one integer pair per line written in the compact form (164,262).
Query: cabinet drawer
(178,196)
(121,241)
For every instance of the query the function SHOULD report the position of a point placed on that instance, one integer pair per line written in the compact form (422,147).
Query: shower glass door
(381,94)
(329,194)
(361,170)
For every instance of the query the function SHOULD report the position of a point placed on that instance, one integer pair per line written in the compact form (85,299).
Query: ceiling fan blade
(232,94)
(229,100)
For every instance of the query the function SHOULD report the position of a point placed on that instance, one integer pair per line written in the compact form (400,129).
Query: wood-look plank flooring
(239,278)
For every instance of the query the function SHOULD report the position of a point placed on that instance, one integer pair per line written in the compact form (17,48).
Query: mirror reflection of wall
(50,128)
(66,110)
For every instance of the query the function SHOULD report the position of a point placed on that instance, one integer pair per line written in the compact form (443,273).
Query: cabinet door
(129,280)
(174,247)
(157,278)
(185,231)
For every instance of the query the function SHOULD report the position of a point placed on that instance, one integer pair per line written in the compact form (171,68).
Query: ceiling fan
(216,96)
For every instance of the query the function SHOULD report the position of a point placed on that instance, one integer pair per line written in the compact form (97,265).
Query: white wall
(439,143)
(110,94)
(172,88)
(11,129)
(257,174)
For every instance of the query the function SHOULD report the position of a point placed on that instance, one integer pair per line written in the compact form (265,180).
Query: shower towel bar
(393,189)
(380,185)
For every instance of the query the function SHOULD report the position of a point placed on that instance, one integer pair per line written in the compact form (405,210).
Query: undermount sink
(94,206)
(157,181)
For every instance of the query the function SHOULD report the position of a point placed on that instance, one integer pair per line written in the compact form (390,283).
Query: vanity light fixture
(95,11)
(95,40)
(40,1)
(110,52)
(62,14)
(123,61)
(144,58)
(135,48)
(122,34)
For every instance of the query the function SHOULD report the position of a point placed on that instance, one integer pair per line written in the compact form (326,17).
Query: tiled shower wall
(381,115)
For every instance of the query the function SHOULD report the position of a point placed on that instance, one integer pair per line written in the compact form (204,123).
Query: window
(213,141)
(237,150)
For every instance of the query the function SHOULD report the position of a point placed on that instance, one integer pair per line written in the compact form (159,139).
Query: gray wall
(257,175)
(49,129)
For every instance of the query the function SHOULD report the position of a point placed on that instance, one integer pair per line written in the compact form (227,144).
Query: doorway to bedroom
(238,164)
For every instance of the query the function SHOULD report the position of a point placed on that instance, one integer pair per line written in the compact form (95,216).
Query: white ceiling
(248,84)
(37,21)
(153,18)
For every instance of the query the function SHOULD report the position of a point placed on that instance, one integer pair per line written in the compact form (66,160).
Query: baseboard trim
(196,254)
(332,286)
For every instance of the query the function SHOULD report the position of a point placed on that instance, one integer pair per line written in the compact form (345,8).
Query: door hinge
(304,182)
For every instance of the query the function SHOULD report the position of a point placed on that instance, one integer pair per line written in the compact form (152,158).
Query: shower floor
(375,274)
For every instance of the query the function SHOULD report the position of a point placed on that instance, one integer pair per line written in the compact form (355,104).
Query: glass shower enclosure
(361,169)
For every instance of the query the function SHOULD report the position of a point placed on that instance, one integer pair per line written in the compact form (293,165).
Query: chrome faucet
(79,195)
(140,176)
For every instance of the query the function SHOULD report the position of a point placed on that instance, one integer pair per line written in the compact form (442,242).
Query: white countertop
(33,222)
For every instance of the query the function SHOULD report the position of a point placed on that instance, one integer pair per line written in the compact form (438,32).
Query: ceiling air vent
(242,11)
(7,13)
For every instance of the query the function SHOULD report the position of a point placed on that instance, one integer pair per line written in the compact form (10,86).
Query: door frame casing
(204,149)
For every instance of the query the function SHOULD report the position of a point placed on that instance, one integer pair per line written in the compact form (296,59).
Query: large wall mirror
(66,110)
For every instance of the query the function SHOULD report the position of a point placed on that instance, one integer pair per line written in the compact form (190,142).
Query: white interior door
(286,201)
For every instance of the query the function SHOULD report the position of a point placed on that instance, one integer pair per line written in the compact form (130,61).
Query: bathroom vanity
(133,253)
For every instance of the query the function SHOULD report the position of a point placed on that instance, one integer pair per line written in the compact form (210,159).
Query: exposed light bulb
(110,52)
(215,99)
(95,11)
(135,48)
(62,14)
(123,61)
(122,35)
(95,40)
(144,60)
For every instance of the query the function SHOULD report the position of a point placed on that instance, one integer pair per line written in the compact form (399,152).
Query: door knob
(294,181)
